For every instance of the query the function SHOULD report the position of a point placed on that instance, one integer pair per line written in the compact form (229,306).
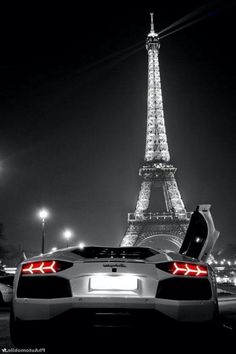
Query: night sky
(73,116)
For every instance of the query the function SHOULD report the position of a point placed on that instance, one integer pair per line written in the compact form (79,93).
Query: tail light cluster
(183,268)
(44,267)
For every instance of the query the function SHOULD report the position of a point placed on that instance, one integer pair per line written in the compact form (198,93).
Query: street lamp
(43,214)
(67,235)
(81,245)
(54,249)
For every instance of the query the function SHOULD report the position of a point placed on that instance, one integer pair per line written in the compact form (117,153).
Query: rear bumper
(183,311)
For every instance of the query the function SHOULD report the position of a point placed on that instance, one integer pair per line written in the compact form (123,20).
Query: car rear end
(101,287)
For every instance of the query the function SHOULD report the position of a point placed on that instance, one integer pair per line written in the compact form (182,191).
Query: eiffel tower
(166,228)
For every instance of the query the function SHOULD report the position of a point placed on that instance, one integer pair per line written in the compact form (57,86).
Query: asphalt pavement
(5,341)
(225,337)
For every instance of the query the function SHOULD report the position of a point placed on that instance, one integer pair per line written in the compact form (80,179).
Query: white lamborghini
(116,286)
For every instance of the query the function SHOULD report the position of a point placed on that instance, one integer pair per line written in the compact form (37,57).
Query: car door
(201,234)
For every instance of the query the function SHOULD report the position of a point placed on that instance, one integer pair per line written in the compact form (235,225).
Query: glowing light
(54,249)
(44,267)
(10,270)
(43,214)
(67,234)
(189,269)
(81,245)
(39,267)
(114,283)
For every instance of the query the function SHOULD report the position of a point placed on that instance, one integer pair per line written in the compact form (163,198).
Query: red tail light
(182,268)
(44,267)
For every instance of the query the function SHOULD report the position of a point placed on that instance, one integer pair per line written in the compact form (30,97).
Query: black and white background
(73,87)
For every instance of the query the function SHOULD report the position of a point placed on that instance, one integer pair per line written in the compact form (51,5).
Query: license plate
(119,283)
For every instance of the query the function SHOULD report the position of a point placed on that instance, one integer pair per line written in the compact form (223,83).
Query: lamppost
(43,214)
(67,234)
(81,245)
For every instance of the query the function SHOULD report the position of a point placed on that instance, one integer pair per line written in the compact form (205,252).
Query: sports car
(5,290)
(117,286)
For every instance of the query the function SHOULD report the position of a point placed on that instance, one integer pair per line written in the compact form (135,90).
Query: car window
(116,252)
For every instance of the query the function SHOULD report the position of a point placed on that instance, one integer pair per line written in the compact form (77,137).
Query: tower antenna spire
(152,23)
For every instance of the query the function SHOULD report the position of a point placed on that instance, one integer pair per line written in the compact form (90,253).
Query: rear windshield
(116,252)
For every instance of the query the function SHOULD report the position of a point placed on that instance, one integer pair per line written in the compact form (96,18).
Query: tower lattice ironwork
(145,227)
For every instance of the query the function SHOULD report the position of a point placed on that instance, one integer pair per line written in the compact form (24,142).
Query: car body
(6,291)
(117,286)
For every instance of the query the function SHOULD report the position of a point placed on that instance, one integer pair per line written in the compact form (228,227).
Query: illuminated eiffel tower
(146,228)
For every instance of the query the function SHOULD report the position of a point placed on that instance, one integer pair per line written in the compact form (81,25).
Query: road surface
(228,315)
(4,329)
